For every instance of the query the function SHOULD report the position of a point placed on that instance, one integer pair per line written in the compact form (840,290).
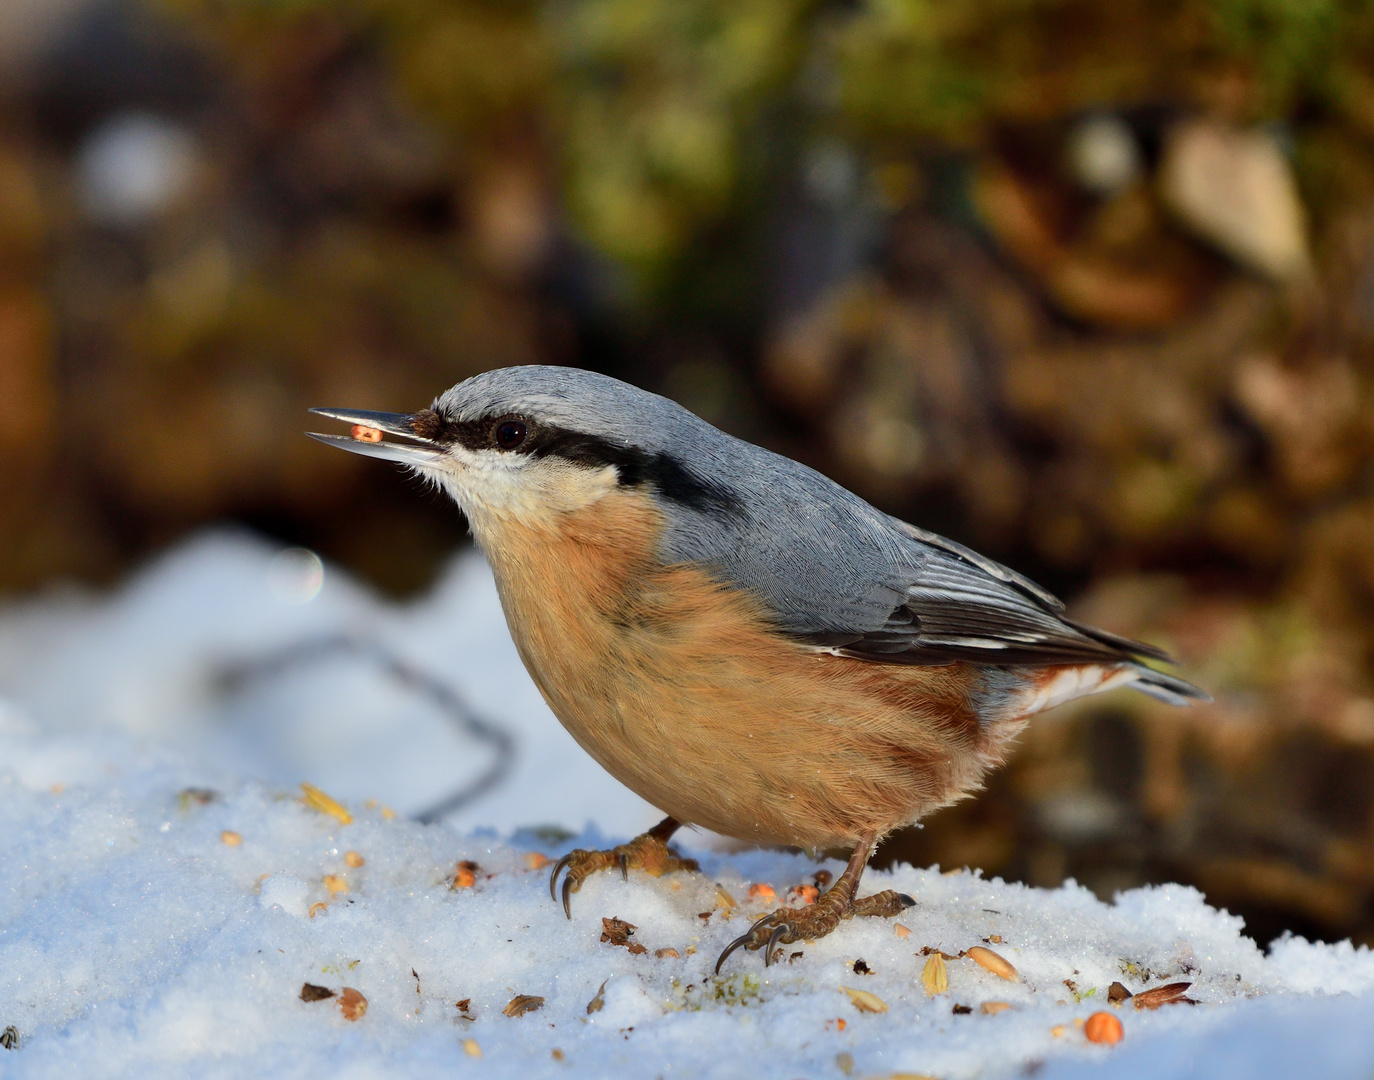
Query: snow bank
(160,914)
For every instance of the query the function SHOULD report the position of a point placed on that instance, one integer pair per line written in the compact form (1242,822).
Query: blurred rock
(1235,189)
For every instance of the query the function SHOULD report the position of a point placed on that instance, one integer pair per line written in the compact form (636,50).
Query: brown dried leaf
(311,992)
(1169,994)
(663,954)
(992,1008)
(598,1001)
(522,1004)
(463,1008)
(352,1004)
(617,931)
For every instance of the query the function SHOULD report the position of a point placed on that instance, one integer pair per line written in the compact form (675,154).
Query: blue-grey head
(534,441)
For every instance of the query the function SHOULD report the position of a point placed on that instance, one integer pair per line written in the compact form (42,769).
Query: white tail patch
(1067,683)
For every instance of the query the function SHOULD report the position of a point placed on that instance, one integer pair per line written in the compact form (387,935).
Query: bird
(740,640)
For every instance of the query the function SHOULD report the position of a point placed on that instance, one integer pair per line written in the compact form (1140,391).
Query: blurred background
(1089,287)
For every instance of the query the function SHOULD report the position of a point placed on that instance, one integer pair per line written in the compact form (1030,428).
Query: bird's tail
(1165,688)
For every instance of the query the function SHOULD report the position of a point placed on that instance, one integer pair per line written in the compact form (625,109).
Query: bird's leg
(648,852)
(786,925)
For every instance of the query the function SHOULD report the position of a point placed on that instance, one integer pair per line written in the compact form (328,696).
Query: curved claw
(553,877)
(743,939)
(772,943)
(567,896)
(907,901)
(624,867)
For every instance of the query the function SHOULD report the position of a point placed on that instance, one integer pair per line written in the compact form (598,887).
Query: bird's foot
(786,925)
(649,852)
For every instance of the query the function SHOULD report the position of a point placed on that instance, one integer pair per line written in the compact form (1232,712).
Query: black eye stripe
(636,467)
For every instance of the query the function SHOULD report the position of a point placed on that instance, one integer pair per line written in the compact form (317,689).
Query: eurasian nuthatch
(741,641)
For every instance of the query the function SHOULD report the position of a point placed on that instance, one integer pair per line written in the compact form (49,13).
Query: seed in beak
(366,434)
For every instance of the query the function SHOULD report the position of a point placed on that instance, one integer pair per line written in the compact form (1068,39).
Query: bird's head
(531,443)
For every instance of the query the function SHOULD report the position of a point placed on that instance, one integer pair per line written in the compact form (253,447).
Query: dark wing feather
(956,610)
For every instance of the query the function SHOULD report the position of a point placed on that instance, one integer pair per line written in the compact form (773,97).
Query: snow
(166,890)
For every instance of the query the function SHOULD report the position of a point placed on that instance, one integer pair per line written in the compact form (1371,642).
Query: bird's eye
(510,434)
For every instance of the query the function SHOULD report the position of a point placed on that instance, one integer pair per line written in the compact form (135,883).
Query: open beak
(418,451)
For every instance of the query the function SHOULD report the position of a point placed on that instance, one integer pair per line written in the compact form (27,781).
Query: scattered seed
(1103,1027)
(664,954)
(990,961)
(522,1004)
(198,795)
(363,433)
(962,1010)
(1170,994)
(763,893)
(9,1038)
(352,1004)
(864,1001)
(598,1001)
(228,836)
(705,916)
(353,859)
(839,1024)
(471,1048)
(536,860)
(901,931)
(861,967)
(822,878)
(388,813)
(724,900)
(1117,993)
(311,992)
(316,799)
(464,875)
(935,977)
(557,1054)
(845,1060)
(1059,1031)
(463,1010)
(994,939)
(802,895)
(317,907)
(992,1008)
(335,884)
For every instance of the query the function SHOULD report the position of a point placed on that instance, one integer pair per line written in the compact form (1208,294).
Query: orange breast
(679,686)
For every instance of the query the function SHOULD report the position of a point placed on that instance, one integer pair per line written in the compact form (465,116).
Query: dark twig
(235,680)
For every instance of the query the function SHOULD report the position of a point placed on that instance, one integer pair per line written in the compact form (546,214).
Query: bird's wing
(838,574)
(960,606)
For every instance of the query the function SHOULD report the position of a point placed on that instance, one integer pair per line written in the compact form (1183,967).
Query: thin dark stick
(235,679)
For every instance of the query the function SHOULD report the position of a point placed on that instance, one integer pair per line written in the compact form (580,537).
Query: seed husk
(1169,994)
(864,1001)
(316,799)
(522,1004)
(990,961)
(935,976)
